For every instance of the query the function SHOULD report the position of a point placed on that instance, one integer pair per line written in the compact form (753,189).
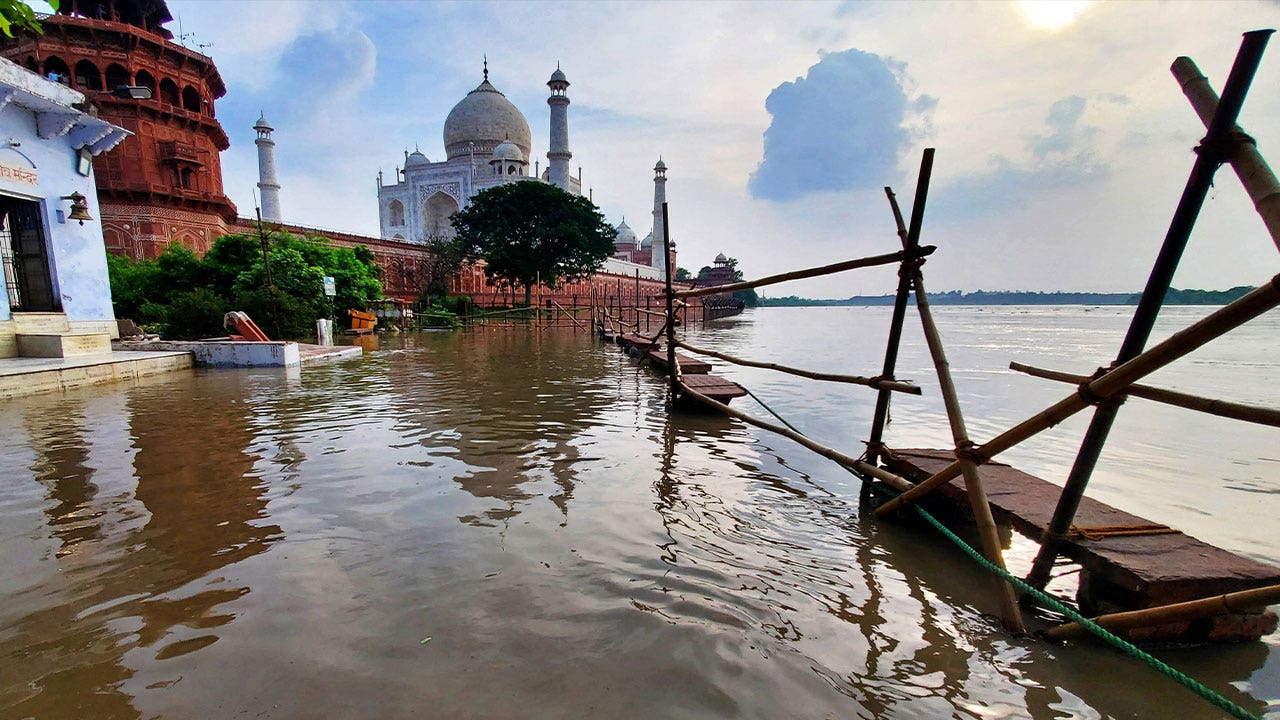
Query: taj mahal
(487,143)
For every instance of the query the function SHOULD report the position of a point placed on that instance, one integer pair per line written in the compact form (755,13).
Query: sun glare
(1052,15)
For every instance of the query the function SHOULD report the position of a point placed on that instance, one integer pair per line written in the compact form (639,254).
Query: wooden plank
(714,387)
(637,341)
(1136,571)
(688,365)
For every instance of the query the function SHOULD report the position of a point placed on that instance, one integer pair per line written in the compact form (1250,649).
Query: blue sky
(1063,142)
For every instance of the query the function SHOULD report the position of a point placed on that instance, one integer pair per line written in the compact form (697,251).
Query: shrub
(196,314)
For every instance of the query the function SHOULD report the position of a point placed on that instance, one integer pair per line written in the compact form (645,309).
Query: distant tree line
(184,297)
(1008,297)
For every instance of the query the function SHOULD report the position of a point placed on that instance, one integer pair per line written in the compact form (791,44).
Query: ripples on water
(232,544)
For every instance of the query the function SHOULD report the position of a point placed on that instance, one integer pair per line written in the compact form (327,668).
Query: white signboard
(330,287)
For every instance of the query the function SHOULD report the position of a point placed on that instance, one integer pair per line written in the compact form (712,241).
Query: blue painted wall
(78,256)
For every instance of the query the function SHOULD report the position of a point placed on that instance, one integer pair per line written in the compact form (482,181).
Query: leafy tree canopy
(529,231)
(18,14)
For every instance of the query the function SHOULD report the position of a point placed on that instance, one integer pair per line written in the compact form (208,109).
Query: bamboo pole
(871,261)
(823,450)
(894,385)
(982,516)
(673,362)
(909,242)
(1241,601)
(1184,342)
(1250,167)
(1211,406)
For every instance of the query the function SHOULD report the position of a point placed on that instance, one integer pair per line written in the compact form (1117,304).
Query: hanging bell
(79,207)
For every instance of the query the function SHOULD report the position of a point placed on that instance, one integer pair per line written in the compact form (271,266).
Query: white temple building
(487,143)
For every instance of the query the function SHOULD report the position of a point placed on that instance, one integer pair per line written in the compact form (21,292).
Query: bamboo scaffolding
(1211,406)
(566,313)
(1184,342)
(871,261)
(894,385)
(1235,602)
(1250,167)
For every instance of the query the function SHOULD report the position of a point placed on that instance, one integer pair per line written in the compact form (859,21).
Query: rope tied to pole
(1087,394)
(968,450)
(1220,150)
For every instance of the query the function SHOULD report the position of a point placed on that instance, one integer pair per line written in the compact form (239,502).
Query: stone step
(63,345)
(40,323)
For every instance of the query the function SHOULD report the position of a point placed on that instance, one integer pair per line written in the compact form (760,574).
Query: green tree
(531,231)
(18,14)
(444,259)
(683,274)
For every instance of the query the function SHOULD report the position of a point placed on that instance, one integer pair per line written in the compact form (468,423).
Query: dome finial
(486,67)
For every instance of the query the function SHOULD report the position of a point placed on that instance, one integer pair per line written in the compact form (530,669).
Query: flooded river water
(505,523)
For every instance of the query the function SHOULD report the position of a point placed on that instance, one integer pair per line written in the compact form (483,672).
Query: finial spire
(486,67)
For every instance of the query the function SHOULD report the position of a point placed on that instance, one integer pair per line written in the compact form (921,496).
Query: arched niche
(435,215)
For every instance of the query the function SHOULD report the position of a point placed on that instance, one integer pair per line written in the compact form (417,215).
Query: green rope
(1053,603)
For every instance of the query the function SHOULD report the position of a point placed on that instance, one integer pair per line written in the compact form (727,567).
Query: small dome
(660,166)
(558,77)
(415,159)
(721,258)
(647,241)
(626,236)
(508,150)
(262,124)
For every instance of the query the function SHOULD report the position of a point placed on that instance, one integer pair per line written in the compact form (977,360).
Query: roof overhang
(54,107)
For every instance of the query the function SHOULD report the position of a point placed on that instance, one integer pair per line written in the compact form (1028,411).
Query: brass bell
(79,207)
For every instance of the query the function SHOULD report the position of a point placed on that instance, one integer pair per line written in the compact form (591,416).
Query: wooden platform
(688,365)
(716,388)
(1119,572)
(641,342)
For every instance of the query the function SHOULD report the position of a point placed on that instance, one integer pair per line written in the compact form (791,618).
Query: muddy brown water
(510,524)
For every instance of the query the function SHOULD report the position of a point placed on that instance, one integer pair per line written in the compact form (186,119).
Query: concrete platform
(224,353)
(28,376)
(315,354)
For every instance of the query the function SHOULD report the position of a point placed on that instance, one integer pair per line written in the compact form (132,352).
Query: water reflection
(190,509)
(513,412)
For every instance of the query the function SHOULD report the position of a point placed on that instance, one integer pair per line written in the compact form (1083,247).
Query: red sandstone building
(163,184)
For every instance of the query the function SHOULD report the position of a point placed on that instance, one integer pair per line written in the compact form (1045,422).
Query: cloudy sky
(1063,143)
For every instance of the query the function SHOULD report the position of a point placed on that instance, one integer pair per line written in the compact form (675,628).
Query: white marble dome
(416,159)
(485,118)
(507,150)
